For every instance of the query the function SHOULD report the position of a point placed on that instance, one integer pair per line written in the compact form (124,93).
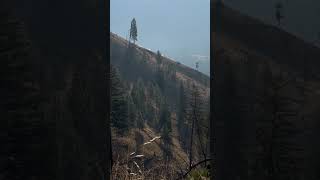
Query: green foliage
(160,79)
(160,74)
(159,58)
(165,119)
(138,95)
(150,108)
(157,94)
(138,99)
(166,129)
(166,133)
(140,122)
(133,30)
(132,114)
(119,102)
(199,174)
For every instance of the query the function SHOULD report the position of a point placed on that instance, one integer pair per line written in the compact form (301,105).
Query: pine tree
(138,98)
(119,102)
(133,31)
(279,12)
(182,110)
(132,112)
(140,120)
(159,58)
(161,79)
(194,114)
(165,120)
(165,134)
(166,129)
(138,95)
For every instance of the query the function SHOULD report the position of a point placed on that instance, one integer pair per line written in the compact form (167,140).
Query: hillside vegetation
(156,97)
(266,101)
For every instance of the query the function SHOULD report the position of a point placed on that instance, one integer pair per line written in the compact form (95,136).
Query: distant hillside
(160,93)
(266,94)
(142,65)
(285,48)
(119,45)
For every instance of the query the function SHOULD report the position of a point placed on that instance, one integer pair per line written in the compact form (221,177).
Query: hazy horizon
(180,29)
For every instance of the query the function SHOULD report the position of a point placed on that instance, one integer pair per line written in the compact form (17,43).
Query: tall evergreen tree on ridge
(279,12)
(133,31)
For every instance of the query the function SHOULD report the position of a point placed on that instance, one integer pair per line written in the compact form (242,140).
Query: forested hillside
(266,101)
(155,97)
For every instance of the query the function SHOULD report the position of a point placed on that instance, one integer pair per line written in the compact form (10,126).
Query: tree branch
(192,167)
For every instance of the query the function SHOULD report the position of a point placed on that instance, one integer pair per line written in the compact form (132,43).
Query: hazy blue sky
(180,29)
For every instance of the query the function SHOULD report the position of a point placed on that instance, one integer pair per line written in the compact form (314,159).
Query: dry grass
(128,165)
(134,170)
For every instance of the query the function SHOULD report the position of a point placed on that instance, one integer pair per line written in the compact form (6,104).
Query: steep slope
(119,46)
(283,47)
(160,81)
(266,95)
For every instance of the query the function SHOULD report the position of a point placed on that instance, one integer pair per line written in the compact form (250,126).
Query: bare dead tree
(191,142)
(199,137)
(194,114)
